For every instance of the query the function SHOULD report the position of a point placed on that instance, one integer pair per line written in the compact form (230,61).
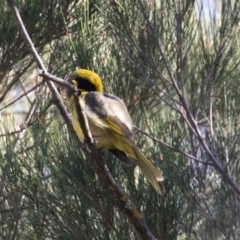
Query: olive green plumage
(110,123)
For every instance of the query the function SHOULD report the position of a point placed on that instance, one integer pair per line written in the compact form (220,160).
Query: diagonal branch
(124,203)
(173,148)
(189,118)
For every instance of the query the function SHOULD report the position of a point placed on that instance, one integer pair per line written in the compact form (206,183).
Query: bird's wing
(112,110)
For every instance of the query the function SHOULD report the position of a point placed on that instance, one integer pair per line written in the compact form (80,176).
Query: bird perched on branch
(110,123)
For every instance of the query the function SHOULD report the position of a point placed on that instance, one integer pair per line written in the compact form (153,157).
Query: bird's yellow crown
(87,80)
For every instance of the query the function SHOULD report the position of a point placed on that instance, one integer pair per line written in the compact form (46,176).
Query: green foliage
(49,191)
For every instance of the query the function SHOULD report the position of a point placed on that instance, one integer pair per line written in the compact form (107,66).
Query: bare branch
(186,114)
(22,95)
(173,148)
(123,202)
(27,119)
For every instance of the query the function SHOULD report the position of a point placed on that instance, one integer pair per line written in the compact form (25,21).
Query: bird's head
(86,81)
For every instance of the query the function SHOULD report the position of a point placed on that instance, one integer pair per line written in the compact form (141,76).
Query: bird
(110,123)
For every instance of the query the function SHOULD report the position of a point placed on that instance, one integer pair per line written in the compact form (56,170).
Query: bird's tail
(153,175)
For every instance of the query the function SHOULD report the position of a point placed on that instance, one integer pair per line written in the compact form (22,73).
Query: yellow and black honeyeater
(110,123)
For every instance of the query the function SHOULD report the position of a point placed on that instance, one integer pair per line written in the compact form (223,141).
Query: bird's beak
(75,83)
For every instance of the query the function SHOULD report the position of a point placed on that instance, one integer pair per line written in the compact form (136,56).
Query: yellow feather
(110,123)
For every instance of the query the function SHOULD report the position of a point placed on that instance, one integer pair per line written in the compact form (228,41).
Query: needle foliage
(176,66)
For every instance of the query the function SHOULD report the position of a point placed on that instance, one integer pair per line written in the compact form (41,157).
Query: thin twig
(173,148)
(22,95)
(189,117)
(56,96)
(179,33)
(17,76)
(123,202)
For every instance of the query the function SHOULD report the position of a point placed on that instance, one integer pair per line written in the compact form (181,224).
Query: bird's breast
(107,116)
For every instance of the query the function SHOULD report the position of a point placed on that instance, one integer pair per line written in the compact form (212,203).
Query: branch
(16,77)
(187,115)
(173,148)
(22,95)
(124,203)
(56,96)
